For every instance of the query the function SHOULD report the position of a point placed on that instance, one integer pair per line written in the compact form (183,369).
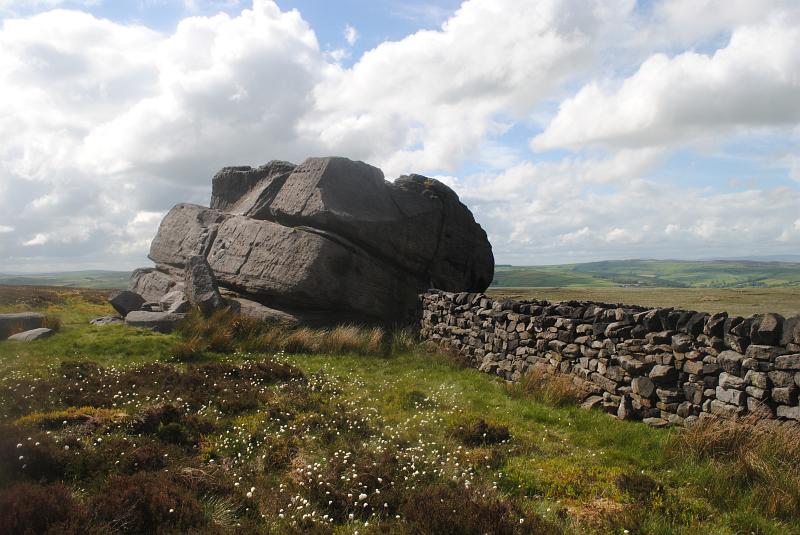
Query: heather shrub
(760,455)
(449,509)
(30,509)
(148,503)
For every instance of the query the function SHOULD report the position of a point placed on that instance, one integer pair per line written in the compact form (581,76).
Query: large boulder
(125,301)
(330,237)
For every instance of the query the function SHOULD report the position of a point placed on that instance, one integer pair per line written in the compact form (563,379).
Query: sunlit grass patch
(59,418)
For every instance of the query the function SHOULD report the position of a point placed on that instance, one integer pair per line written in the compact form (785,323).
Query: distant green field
(73,279)
(653,274)
(741,301)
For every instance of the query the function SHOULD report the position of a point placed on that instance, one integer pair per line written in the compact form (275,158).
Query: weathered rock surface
(162,322)
(33,334)
(152,284)
(201,286)
(260,312)
(249,191)
(126,301)
(330,237)
(19,322)
(175,301)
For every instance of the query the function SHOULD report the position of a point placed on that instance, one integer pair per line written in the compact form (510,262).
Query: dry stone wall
(663,366)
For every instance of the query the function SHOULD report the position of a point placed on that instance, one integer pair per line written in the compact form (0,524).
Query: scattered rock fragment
(34,334)
(107,320)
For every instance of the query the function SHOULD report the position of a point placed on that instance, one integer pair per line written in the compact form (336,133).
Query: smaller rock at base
(592,402)
(259,312)
(152,307)
(125,301)
(107,320)
(656,422)
(201,285)
(792,413)
(163,322)
(690,420)
(675,419)
(33,334)
(625,409)
(175,302)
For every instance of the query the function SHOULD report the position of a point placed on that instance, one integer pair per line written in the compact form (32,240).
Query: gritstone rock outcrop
(327,241)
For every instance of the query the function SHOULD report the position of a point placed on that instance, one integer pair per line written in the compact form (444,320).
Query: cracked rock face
(329,236)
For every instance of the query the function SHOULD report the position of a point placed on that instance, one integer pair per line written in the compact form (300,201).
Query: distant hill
(75,279)
(653,273)
(611,273)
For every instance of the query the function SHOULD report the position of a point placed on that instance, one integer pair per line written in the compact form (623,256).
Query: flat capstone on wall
(663,366)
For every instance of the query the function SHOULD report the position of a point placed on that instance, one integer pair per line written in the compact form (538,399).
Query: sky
(575,130)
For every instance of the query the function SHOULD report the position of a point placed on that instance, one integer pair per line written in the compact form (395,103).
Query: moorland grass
(262,441)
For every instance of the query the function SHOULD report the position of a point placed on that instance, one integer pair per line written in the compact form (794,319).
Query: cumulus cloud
(104,121)
(350,35)
(753,82)
(105,125)
(543,213)
(426,102)
(689,22)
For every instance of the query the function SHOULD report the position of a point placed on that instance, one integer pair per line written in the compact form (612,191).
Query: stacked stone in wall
(664,366)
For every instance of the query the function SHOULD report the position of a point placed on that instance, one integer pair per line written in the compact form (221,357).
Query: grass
(553,389)
(743,301)
(394,440)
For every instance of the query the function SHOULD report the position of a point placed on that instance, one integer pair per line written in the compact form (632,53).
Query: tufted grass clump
(761,456)
(553,389)
(52,322)
(225,332)
(188,350)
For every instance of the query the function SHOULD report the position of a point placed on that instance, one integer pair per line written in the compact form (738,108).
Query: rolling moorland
(72,279)
(607,274)
(653,274)
(228,426)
